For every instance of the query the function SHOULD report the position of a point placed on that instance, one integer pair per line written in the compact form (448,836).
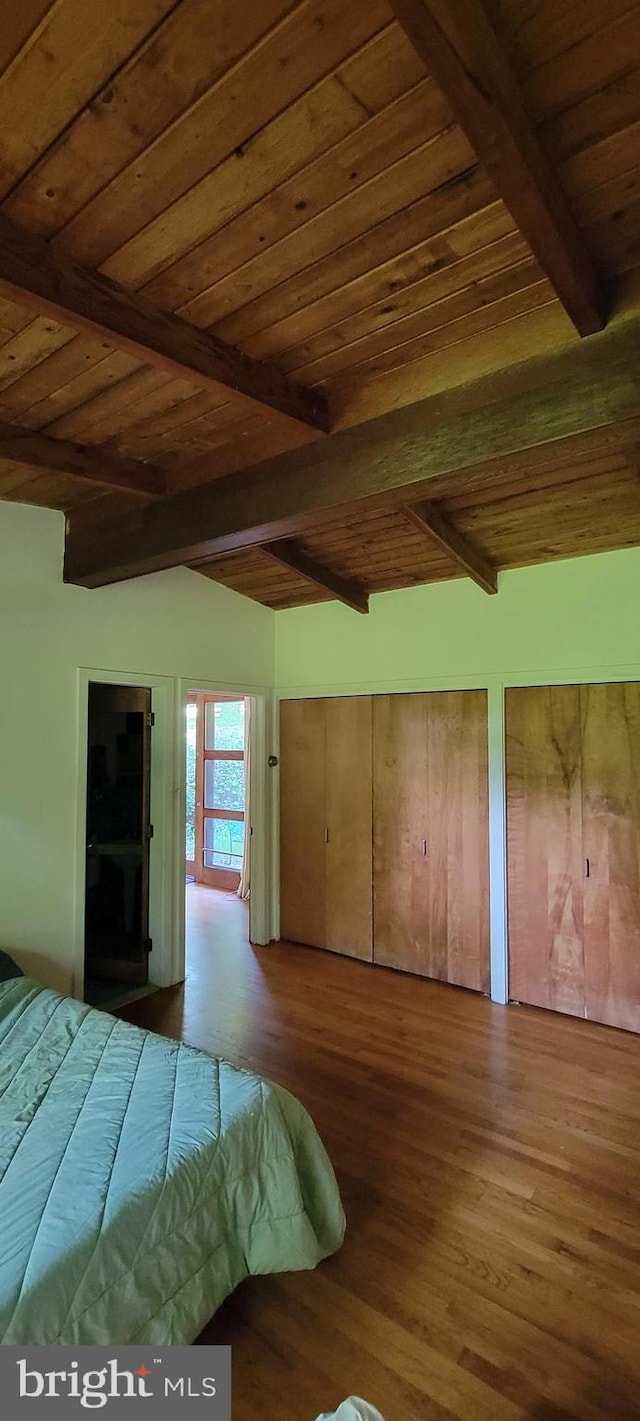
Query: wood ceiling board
(13,318)
(53,374)
(423,353)
(224,455)
(534,335)
(460,47)
(415,562)
(288,195)
(69,56)
(385,67)
(534,480)
(354,551)
(589,65)
(445,159)
(618,193)
(18,24)
(94,418)
(601,164)
(363,532)
(199,277)
(163,78)
(89,303)
(322,146)
(534,35)
(307,44)
(47,491)
(93,381)
(617,238)
(167,431)
(266,327)
(420,277)
(597,116)
(567,522)
(40,338)
(392,344)
(592,385)
(153,398)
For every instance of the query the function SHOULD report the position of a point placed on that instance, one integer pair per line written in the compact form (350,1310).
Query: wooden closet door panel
(544,847)
(302,821)
(458,838)
(348,851)
(611,840)
(401,872)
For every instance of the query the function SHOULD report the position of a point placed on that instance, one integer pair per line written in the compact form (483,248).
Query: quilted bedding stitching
(259,1118)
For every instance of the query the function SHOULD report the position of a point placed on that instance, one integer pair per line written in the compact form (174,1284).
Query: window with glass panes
(215,782)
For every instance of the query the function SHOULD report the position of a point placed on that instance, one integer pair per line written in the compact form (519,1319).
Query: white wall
(573,615)
(175,624)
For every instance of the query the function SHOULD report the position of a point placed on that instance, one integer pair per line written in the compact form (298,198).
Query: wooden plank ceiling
(225,229)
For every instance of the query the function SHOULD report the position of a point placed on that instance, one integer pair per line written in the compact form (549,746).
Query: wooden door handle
(587,868)
(326,836)
(424,848)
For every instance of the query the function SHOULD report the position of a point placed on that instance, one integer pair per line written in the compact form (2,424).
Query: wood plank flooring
(489,1164)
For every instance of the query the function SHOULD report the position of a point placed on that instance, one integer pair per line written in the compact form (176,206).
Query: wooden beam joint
(32,274)
(462,51)
(289,555)
(428,519)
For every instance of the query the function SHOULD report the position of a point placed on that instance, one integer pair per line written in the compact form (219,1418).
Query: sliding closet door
(544,847)
(302,822)
(348,847)
(431,857)
(458,837)
(611,848)
(401,867)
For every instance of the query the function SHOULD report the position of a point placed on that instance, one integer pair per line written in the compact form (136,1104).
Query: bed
(140,1179)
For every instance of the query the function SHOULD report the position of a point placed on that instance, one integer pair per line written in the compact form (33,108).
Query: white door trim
(260,902)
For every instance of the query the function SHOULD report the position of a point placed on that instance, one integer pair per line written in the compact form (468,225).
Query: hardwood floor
(489,1161)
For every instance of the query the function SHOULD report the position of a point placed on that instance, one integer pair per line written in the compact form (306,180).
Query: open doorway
(118,834)
(218,822)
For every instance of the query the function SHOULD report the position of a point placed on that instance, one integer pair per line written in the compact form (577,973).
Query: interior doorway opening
(217,821)
(118,835)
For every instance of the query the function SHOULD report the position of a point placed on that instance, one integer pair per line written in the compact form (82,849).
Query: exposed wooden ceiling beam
(421,451)
(289,555)
(94,465)
(31,274)
(429,520)
(460,48)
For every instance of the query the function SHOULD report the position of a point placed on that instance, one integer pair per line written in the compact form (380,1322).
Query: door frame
(262,841)
(227,879)
(163,960)
(168,794)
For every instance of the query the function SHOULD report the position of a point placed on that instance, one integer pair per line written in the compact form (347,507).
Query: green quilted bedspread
(140,1179)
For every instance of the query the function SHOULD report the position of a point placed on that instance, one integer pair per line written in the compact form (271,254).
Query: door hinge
(148,944)
(150,719)
(149,831)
